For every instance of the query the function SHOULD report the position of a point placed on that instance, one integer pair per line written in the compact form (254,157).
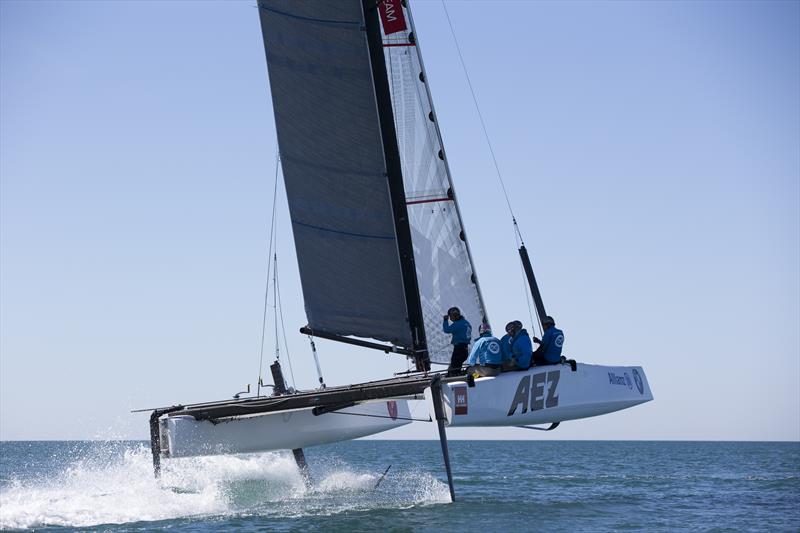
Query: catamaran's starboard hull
(184,436)
(544,394)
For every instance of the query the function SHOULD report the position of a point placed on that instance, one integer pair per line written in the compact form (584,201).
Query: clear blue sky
(651,151)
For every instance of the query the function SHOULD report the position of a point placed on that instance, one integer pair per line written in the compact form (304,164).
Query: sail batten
(345,233)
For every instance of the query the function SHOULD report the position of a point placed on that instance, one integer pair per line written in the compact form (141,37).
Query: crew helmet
(514,325)
(548,321)
(484,328)
(454,311)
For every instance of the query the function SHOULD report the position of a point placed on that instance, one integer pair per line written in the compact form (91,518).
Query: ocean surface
(504,486)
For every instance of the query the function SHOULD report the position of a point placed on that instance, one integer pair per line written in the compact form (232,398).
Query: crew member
(485,358)
(516,347)
(505,345)
(461,330)
(549,350)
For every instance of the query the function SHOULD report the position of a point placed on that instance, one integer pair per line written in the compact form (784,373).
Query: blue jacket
(552,342)
(485,351)
(505,347)
(461,330)
(521,348)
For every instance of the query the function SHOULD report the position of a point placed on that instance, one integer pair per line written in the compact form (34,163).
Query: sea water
(500,486)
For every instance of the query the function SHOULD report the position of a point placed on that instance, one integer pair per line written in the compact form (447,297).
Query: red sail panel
(392,16)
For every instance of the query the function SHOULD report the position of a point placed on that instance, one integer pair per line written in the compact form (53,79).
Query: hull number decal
(538,393)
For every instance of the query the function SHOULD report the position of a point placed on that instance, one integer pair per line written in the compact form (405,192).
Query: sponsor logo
(638,379)
(624,380)
(494,347)
(391,406)
(392,16)
(460,394)
(559,341)
(538,391)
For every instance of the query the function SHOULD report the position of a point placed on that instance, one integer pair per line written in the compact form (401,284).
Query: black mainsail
(380,245)
(334,168)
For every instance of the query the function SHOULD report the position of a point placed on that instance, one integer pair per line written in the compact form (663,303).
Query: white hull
(184,436)
(544,394)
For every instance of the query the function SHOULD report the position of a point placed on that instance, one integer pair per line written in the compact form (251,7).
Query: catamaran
(381,251)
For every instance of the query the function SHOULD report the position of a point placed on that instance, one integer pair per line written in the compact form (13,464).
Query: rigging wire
(483,123)
(275,304)
(518,242)
(517,233)
(527,293)
(525,289)
(269,266)
(283,326)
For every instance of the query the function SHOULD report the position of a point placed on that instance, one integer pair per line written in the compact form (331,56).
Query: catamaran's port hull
(185,436)
(544,394)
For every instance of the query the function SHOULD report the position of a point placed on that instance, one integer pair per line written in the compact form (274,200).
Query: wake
(104,486)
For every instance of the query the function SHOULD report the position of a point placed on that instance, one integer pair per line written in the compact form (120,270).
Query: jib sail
(445,271)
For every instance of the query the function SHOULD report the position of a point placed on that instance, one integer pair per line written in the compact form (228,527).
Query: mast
(396,190)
